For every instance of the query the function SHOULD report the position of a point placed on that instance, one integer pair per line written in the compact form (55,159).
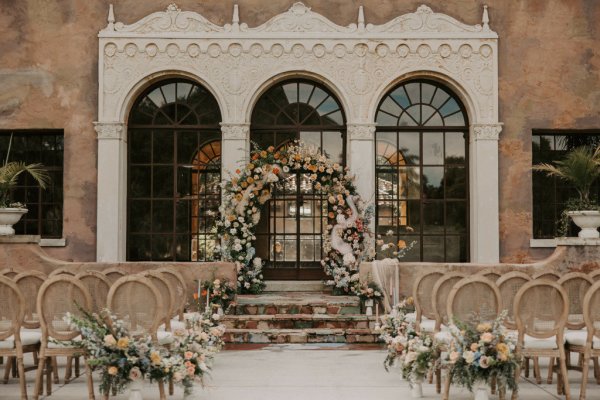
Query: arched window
(174,155)
(421,172)
(289,236)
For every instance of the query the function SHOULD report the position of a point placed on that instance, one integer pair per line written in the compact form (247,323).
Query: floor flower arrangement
(250,188)
(123,358)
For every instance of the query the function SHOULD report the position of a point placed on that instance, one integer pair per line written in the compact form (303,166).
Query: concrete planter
(588,221)
(9,217)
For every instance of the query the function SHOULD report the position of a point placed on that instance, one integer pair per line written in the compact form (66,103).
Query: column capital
(110,130)
(485,131)
(361,131)
(235,130)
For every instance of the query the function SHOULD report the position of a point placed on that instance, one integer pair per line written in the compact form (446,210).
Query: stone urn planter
(9,217)
(588,221)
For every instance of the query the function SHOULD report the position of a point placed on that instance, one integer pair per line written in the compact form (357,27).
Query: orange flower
(237,171)
(203,292)
(250,179)
(330,215)
(284,160)
(270,149)
(255,156)
(277,155)
(276,171)
(263,154)
(244,185)
(195,295)
(401,244)
(297,157)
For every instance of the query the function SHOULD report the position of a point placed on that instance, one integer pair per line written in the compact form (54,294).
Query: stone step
(300,336)
(298,321)
(296,303)
(296,286)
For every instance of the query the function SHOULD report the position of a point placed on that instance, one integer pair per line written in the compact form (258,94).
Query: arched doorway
(174,172)
(290,239)
(421,173)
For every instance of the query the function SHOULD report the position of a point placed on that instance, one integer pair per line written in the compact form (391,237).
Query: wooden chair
(576,284)
(441,291)
(179,286)
(63,270)
(509,284)
(422,295)
(59,295)
(550,275)
(13,342)
(136,300)
(98,285)
(472,300)
(9,272)
(541,310)
(491,273)
(589,344)
(595,275)
(114,273)
(167,295)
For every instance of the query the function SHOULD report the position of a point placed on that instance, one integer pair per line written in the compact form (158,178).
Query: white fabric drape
(386,274)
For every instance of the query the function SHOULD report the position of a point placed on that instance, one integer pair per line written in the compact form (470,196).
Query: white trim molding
(360,63)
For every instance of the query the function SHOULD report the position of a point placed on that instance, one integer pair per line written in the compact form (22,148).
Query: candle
(377,312)
(207,298)
(199,291)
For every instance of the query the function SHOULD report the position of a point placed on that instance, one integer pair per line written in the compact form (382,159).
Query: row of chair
(547,313)
(33,307)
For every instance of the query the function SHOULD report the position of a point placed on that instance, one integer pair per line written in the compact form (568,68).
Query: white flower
(233,231)
(349,259)
(389,233)
(286,169)
(135,374)
(257,262)
(469,356)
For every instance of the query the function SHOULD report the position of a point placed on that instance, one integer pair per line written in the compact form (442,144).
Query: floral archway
(249,189)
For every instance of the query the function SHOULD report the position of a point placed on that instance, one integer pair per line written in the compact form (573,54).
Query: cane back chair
(422,296)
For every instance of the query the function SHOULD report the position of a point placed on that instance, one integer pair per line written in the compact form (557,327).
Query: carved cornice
(365,131)
(298,19)
(235,131)
(485,132)
(109,130)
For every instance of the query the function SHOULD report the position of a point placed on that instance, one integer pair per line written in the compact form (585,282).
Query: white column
(235,147)
(361,158)
(112,189)
(484,207)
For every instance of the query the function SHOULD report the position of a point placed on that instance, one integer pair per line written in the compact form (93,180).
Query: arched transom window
(290,233)
(421,172)
(174,155)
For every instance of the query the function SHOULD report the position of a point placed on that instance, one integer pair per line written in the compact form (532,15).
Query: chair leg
(596,370)
(77,367)
(14,367)
(515,393)
(447,382)
(550,371)
(564,373)
(68,369)
(22,377)
(90,380)
(171,387)
(526,367)
(438,380)
(161,390)
(7,369)
(55,369)
(536,370)
(49,369)
(584,374)
(39,376)
(493,385)
(105,395)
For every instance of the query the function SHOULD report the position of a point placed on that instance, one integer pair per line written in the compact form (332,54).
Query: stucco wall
(549,78)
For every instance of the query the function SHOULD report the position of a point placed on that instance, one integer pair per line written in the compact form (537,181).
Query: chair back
(576,284)
(541,308)
(114,273)
(12,308)
(591,312)
(422,290)
(179,287)
(166,292)
(63,270)
(441,292)
(509,284)
(29,284)
(595,275)
(59,295)
(474,300)
(490,273)
(135,300)
(98,285)
(549,275)
(9,272)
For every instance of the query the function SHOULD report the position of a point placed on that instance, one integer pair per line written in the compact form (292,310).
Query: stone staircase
(298,317)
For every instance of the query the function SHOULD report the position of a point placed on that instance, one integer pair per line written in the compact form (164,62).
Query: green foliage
(9,174)
(580,167)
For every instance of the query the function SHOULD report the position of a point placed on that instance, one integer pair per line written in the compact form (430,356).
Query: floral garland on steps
(249,189)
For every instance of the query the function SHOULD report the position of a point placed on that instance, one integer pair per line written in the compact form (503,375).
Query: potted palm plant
(11,212)
(580,168)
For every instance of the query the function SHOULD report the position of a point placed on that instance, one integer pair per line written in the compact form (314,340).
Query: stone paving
(301,372)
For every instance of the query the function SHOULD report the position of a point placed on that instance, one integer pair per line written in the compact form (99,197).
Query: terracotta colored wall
(549,78)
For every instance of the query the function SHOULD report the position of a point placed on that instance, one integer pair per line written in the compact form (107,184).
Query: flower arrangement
(194,348)
(121,357)
(221,293)
(388,248)
(250,188)
(369,291)
(478,354)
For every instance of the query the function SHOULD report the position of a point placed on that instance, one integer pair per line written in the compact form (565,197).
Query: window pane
(433,248)
(433,148)
(455,148)
(409,147)
(433,217)
(433,187)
